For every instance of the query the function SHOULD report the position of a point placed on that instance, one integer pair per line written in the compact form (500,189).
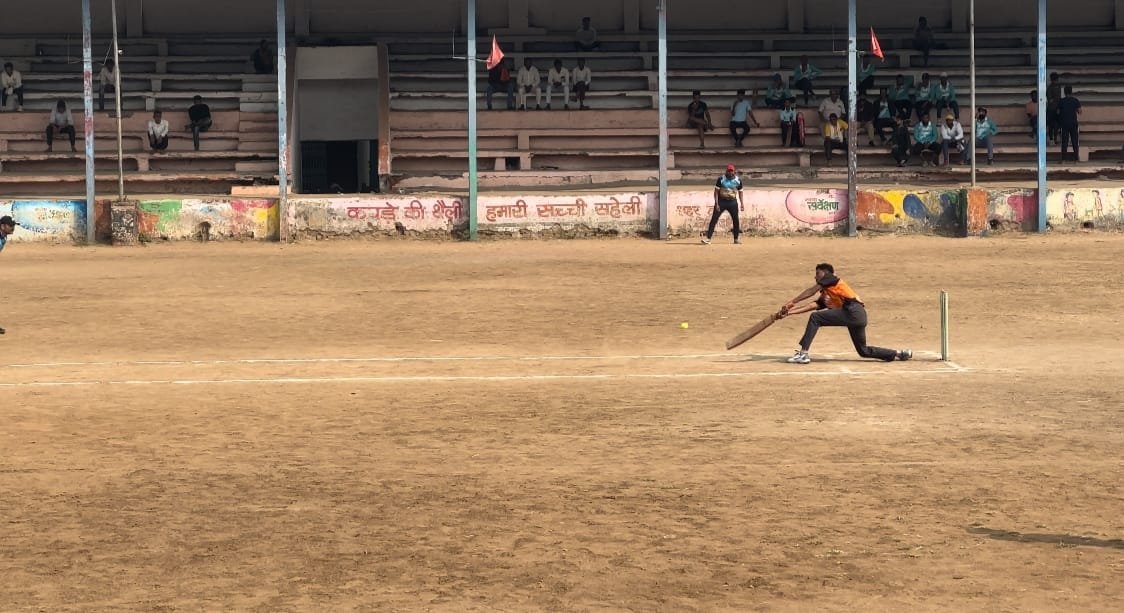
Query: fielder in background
(727,197)
(7,226)
(837,305)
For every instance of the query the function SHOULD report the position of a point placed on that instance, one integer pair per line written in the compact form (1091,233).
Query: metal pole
(88,112)
(473,179)
(282,125)
(117,100)
(944,325)
(1042,190)
(852,124)
(662,115)
(972,81)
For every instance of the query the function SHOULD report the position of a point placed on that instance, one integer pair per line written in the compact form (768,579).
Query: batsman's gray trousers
(852,315)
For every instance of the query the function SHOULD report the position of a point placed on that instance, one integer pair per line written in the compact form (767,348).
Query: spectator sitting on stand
(803,77)
(200,119)
(62,122)
(926,140)
(952,138)
(778,93)
(698,117)
(740,114)
(901,140)
(585,39)
(581,78)
(529,82)
(11,84)
(790,136)
(158,132)
(834,136)
(944,95)
(901,96)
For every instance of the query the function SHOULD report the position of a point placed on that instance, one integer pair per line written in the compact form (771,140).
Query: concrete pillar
(796,16)
(134,18)
(959,13)
(302,18)
(631,12)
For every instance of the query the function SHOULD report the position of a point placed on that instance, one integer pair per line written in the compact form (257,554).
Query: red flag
(496,56)
(875,48)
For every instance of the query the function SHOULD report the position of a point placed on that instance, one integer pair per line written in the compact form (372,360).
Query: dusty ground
(247,466)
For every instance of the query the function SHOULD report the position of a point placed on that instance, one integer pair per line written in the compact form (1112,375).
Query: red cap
(730,168)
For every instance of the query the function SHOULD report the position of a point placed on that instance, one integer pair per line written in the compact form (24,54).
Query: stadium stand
(618,136)
(156,73)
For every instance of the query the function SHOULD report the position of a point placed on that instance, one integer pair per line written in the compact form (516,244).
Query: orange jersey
(838,294)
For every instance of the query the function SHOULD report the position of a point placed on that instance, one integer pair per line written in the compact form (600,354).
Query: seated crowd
(61,120)
(890,117)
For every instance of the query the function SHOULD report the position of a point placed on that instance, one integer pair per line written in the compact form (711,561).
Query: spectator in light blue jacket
(984,130)
(803,76)
(944,95)
(926,138)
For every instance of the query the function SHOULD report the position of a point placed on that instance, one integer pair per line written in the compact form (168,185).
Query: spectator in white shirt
(581,78)
(62,122)
(529,82)
(832,105)
(107,82)
(585,39)
(558,78)
(952,137)
(158,132)
(11,84)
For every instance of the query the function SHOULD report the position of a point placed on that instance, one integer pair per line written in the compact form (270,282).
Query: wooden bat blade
(757,328)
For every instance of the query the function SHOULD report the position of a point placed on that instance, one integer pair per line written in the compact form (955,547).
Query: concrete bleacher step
(256,167)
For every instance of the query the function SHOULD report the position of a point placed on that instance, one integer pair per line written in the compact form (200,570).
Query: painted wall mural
(215,218)
(47,219)
(937,210)
(1013,209)
(1102,206)
(376,215)
(950,212)
(763,211)
(626,212)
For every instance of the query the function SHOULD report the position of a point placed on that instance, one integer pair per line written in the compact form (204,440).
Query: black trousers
(729,206)
(67,130)
(853,316)
(17,92)
(1070,134)
(739,130)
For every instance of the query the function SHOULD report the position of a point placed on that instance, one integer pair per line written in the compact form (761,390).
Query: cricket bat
(757,328)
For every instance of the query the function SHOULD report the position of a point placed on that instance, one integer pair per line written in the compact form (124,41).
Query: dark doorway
(329,167)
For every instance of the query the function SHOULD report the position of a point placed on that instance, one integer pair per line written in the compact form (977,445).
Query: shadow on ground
(1053,539)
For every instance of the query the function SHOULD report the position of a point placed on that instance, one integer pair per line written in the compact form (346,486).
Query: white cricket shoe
(800,357)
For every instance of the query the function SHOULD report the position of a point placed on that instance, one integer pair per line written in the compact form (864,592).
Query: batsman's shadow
(1048,539)
(776,357)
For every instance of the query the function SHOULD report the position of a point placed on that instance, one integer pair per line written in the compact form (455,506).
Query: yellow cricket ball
(684,325)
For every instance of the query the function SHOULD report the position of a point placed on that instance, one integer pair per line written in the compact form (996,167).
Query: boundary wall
(946,212)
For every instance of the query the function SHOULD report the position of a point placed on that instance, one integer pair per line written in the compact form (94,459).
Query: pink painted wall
(763,210)
(625,212)
(375,215)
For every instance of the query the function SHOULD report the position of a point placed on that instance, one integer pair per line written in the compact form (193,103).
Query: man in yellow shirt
(834,136)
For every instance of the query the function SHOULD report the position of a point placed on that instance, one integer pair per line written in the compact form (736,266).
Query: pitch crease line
(476,378)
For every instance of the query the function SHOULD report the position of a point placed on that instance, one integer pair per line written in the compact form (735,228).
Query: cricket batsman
(837,305)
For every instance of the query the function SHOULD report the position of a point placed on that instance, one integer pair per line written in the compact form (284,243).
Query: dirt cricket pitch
(522,426)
